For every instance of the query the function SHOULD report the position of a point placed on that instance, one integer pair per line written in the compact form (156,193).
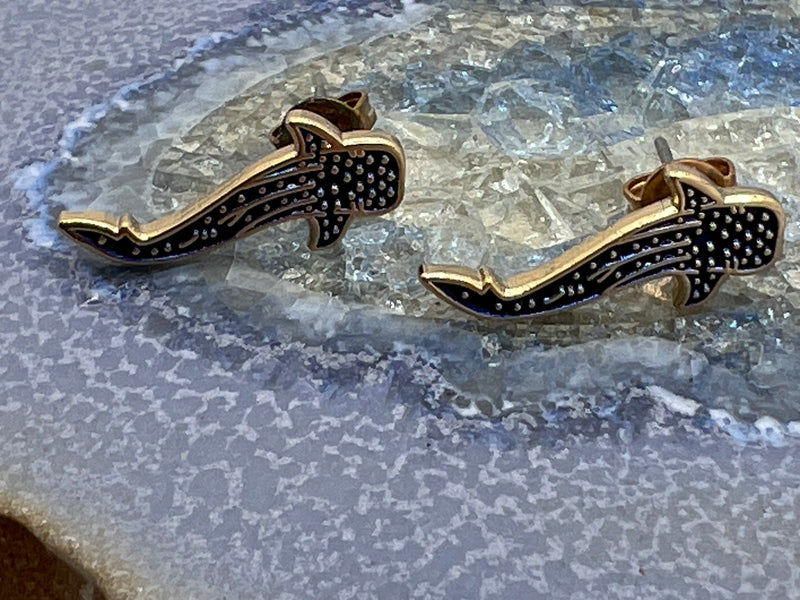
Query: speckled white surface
(180,451)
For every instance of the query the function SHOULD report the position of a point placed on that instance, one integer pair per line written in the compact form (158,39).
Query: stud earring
(329,168)
(688,220)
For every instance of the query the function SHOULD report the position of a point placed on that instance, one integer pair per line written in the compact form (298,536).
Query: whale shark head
(359,172)
(739,231)
(743,226)
(362,171)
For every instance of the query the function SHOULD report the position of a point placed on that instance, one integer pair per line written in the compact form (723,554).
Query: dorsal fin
(312,134)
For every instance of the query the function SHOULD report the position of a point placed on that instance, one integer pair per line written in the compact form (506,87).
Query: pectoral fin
(326,230)
(693,290)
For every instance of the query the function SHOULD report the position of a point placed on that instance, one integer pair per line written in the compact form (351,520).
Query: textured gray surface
(180,450)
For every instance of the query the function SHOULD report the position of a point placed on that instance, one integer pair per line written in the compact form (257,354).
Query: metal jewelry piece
(328,169)
(688,220)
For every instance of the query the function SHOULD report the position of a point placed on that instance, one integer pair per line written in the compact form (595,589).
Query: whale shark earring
(688,220)
(329,168)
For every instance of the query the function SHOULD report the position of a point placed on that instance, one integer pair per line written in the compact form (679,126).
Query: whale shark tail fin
(117,239)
